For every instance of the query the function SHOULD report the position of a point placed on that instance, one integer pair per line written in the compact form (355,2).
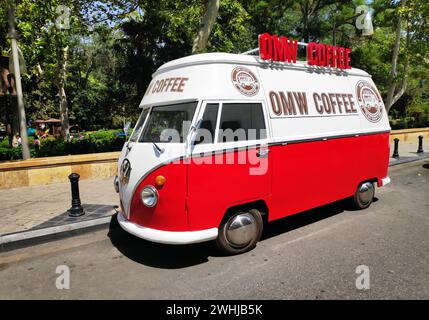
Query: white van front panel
(143,158)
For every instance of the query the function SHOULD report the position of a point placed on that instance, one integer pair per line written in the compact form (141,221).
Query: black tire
(226,246)
(363,196)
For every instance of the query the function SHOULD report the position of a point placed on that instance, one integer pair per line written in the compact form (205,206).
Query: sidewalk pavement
(30,208)
(42,210)
(408,152)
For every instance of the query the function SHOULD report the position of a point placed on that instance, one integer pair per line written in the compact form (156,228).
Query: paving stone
(40,206)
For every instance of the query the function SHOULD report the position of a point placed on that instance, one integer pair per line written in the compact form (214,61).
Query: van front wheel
(240,232)
(364,195)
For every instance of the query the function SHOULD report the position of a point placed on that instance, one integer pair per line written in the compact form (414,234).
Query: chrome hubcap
(366,192)
(241,229)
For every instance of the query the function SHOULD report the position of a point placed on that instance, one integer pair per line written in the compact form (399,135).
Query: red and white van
(312,135)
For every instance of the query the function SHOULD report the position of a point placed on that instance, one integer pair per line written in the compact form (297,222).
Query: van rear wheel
(240,232)
(364,195)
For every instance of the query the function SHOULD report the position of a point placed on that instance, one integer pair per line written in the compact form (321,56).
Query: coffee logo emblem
(125,171)
(369,101)
(245,81)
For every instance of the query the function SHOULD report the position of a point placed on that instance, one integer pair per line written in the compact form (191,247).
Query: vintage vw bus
(228,142)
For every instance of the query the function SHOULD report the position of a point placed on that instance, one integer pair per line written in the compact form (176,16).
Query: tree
(96,71)
(208,20)
(413,21)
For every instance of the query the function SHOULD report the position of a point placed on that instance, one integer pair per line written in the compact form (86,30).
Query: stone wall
(410,135)
(41,171)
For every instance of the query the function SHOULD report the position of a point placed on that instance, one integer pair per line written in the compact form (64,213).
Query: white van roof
(250,60)
(332,100)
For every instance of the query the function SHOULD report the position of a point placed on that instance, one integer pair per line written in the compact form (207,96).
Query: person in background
(16,140)
(36,142)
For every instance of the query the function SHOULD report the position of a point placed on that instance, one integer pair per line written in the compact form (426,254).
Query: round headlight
(116,184)
(149,196)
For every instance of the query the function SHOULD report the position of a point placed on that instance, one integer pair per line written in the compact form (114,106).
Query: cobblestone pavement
(26,208)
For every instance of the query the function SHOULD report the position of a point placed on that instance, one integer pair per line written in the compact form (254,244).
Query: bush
(408,123)
(13,153)
(94,142)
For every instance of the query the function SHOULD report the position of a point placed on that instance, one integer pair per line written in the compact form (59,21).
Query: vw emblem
(125,171)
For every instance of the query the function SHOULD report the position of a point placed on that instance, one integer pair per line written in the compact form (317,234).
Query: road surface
(313,255)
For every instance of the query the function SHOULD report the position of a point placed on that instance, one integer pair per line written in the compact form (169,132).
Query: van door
(230,159)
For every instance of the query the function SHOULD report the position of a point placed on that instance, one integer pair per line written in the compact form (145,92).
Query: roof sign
(282,49)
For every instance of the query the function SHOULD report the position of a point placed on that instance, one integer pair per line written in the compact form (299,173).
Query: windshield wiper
(160,150)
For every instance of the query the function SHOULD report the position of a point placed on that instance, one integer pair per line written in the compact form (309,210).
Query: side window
(242,121)
(207,130)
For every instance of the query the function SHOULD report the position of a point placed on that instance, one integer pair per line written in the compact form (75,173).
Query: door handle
(262,153)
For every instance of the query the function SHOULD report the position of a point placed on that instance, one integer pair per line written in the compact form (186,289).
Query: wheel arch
(259,205)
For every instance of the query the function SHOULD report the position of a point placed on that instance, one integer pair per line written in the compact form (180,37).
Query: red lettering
(280,47)
(275,48)
(292,51)
(341,58)
(311,54)
(265,46)
(329,56)
(347,59)
(321,55)
(334,57)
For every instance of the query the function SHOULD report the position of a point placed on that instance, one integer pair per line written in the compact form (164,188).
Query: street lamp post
(13,35)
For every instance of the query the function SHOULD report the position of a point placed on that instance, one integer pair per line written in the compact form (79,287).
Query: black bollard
(420,149)
(76,209)
(395,149)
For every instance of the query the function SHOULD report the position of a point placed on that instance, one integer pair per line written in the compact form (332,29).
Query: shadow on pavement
(182,256)
(304,218)
(156,254)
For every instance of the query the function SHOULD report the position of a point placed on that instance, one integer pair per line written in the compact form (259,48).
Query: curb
(401,160)
(23,239)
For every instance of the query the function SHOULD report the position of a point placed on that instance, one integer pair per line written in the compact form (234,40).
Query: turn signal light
(160,181)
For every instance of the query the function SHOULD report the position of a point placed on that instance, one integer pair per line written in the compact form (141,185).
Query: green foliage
(116,45)
(7,153)
(91,142)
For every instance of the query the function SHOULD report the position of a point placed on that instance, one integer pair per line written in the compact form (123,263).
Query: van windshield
(168,123)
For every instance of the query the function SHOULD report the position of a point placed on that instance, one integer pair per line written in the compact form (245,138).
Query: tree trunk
(207,23)
(62,93)
(305,31)
(391,96)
